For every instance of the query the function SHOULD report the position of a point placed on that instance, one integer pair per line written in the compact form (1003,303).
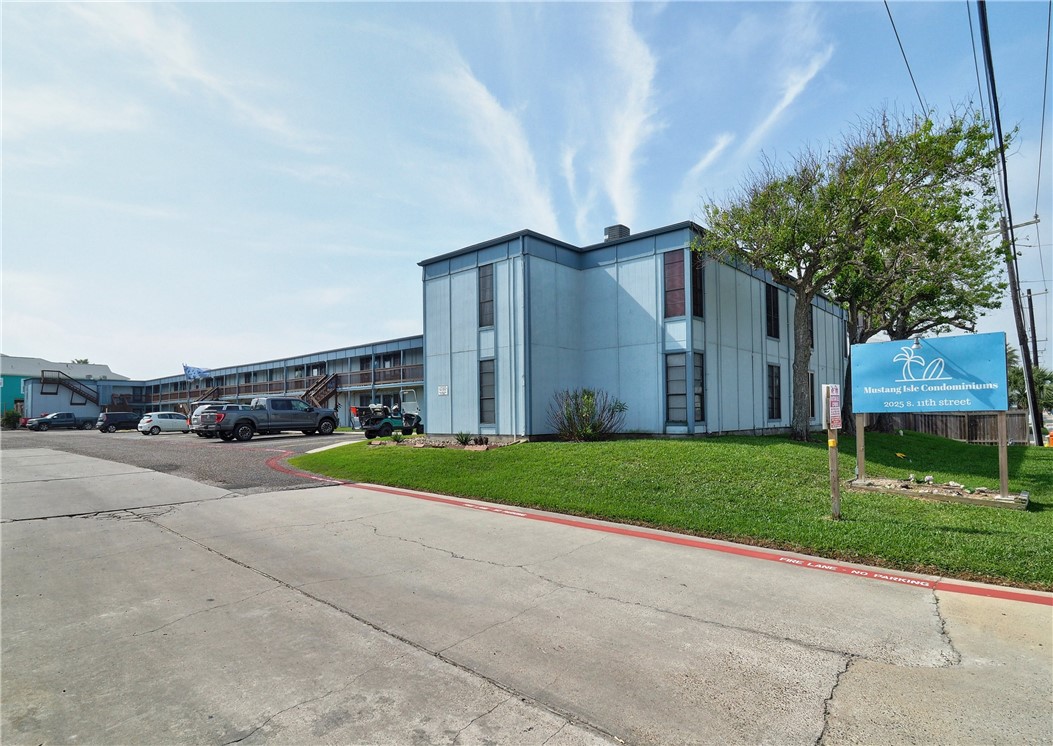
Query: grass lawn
(767,491)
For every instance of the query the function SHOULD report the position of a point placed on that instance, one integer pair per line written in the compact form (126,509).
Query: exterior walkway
(357,615)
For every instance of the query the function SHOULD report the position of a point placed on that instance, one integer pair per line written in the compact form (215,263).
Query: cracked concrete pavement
(164,611)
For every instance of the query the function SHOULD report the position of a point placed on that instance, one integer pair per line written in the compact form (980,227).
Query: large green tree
(891,223)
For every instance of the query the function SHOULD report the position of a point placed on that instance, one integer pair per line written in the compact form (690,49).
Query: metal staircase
(322,391)
(212,393)
(58,378)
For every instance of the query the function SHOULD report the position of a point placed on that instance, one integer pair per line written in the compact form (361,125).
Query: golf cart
(380,421)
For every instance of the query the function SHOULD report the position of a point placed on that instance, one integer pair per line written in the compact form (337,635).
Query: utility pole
(1025,349)
(1034,332)
(1009,245)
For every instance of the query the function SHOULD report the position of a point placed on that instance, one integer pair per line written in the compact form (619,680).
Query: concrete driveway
(153,609)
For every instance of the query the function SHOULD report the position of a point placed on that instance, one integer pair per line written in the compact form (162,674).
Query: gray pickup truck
(61,419)
(266,416)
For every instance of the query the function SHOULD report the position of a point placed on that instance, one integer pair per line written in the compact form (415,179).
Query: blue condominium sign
(941,374)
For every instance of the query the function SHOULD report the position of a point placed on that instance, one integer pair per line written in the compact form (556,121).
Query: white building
(691,345)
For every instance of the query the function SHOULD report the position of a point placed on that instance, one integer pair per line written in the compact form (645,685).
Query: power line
(924,108)
(976,60)
(1008,236)
(1042,135)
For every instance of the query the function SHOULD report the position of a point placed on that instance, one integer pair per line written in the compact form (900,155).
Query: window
(774,393)
(698,277)
(700,389)
(486,295)
(674,283)
(811,394)
(676,387)
(487,393)
(771,307)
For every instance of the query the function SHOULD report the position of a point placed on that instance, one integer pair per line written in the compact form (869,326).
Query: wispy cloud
(794,84)
(686,198)
(501,137)
(129,209)
(723,140)
(161,36)
(632,119)
(37,109)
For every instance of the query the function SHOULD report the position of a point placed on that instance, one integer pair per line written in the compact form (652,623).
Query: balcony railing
(352,381)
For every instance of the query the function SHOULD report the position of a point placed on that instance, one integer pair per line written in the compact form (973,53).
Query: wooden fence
(970,428)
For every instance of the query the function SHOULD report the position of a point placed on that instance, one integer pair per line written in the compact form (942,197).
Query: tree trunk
(802,357)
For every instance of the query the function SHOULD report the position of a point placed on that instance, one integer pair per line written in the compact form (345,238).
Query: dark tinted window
(486,295)
(673,263)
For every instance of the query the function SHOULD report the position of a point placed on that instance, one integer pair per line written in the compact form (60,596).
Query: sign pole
(1003,455)
(861,463)
(832,420)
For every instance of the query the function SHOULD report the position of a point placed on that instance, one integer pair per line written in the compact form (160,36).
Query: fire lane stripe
(940,584)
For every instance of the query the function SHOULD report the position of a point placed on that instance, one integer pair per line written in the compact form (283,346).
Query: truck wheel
(42,427)
(86,426)
(326,427)
(419,429)
(385,430)
(226,436)
(155,430)
(243,432)
(111,428)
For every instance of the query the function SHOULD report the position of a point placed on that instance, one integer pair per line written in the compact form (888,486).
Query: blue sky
(157,158)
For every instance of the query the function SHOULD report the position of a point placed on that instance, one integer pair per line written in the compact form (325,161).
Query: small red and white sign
(832,406)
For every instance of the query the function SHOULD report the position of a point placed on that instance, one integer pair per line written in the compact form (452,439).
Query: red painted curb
(807,563)
(1007,594)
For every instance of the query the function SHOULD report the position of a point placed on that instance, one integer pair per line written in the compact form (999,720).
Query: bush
(398,437)
(10,419)
(463,438)
(480,440)
(586,414)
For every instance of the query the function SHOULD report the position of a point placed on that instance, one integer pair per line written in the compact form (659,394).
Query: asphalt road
(148,607)
(239,467)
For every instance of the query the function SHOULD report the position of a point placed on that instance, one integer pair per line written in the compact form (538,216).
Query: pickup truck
(268,415)
(56,420)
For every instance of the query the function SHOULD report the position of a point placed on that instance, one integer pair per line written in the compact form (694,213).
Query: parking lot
(172,589)
(238,467)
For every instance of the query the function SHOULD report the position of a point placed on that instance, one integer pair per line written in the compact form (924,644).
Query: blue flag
(193,373)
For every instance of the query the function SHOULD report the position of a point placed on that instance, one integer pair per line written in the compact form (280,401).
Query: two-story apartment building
(691,344)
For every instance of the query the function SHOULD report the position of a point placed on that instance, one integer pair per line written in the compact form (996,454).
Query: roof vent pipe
(614,232)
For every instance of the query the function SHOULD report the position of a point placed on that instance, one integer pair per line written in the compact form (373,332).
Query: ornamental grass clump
(586,414)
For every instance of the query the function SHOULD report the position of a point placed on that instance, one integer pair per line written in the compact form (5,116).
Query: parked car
(219,406)
(267,415)
(56,420)
(154,423)
(111,422)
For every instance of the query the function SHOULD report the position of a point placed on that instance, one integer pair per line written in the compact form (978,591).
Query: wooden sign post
(832,421)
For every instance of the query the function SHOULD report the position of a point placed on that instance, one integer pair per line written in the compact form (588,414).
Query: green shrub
(586,414)
(463,438)
(398,437)
(10,419)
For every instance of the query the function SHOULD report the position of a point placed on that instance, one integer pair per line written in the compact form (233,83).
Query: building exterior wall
(375,372)
(594,318)
(11,393)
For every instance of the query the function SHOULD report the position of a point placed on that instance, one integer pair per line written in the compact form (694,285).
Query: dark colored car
(111,422)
